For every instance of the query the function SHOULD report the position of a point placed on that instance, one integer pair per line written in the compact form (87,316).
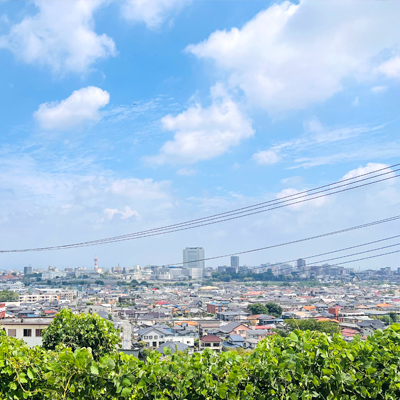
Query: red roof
(50,312)
(263,327)
(211,338)
(349,332)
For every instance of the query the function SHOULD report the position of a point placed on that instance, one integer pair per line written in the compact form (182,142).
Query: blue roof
(236,338)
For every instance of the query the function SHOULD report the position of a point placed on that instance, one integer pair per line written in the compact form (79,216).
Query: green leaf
(94,370)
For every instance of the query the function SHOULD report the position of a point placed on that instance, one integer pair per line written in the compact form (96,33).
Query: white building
(155,337)
(34,298)
(30,330)
(193,260)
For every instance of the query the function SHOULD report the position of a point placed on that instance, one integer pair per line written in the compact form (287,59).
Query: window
(216,344)
(27,332)
(150,337)
(146,337)
(12,332)
(39,332)
(155,336)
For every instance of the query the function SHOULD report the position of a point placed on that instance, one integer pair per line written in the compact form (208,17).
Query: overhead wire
(302,240)
(234,214)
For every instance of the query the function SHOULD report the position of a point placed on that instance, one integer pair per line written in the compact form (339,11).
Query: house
(214,307)
(232,315)
(157,335)
(173,346)
(154,336)
(234,328)
(233,342)
(258,334)
(367,328)
(211,342)
(30,330)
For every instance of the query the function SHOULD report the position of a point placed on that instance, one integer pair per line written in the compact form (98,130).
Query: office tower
(27,270)
(193,260)
(301,263)
(235,261)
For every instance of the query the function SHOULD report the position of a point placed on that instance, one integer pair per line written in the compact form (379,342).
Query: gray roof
(229,327)
(257,332)
(174,346)
(236,338)
(373,323)
(145,331)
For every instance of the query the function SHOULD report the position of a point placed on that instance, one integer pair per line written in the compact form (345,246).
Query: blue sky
(125,115)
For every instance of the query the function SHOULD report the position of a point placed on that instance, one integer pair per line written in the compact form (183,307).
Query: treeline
(249,276)
(304,365)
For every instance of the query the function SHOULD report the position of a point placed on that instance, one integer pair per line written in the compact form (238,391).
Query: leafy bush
(82,330)
(304,365)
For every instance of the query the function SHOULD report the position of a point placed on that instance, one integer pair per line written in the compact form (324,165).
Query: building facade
(193,260)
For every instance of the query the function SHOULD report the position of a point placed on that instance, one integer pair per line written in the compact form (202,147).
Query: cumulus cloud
(391,68)
(60,36)
(266,157)
(292,55)
(82,106)
(152,13)
(125,214)
(370,167)
(204,133)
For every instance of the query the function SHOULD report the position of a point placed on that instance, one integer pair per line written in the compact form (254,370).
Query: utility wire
(230,215)
(337,258)
(306,258)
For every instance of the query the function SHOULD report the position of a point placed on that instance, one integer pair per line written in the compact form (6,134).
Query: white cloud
(145,189)
(379,89)
(292,55)
(153,13)
(266,157)
(125,214)
(82,106)
(370,167)
(328,143)
(61,36)
(391,68)
(356,102)
(204,133)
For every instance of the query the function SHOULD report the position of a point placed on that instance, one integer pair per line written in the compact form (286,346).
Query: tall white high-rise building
(193,260)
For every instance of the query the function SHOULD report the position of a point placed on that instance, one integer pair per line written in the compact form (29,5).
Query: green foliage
(82,330)
(8,295)
(99,282)
(304,365)
(393,316)
(269,309)
(257,308)
(309,325)
(385,319)
(274,309)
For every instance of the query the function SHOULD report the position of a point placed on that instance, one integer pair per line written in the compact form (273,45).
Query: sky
(121,116)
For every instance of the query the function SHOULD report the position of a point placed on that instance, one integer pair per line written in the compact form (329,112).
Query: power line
(382,221)
(337,258)
(228,215)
